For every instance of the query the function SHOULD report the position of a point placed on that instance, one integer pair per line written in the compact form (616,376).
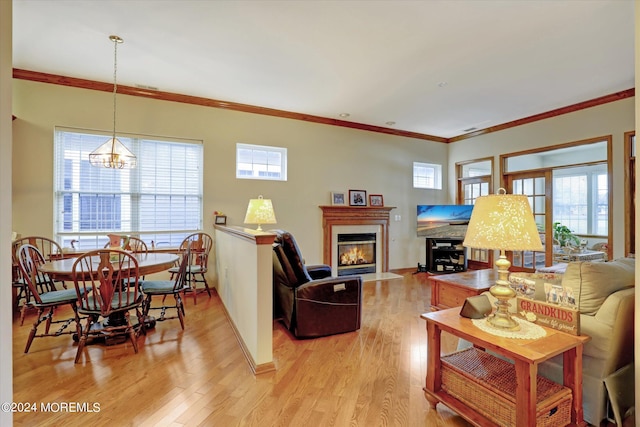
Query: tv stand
(445,255)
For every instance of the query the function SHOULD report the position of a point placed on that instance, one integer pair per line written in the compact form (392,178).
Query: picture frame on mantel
(376,200)
(357,198)
(338,198)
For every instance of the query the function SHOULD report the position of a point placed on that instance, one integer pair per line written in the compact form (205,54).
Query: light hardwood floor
(199,377)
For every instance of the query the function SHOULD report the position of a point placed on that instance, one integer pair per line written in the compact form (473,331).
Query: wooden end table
(527,355)
(450,290)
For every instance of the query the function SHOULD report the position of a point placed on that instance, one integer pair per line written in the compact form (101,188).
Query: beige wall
(321,159)
(614,119)
(6,367)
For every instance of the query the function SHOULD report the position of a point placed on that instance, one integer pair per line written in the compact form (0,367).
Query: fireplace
(337,220)
(356,253)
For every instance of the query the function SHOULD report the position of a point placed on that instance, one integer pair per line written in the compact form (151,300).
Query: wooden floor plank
(199,376)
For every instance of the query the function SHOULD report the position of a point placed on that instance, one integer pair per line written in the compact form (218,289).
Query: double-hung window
(159,201)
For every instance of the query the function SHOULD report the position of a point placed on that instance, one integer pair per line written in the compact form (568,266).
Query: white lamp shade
(504,222)
(260,211)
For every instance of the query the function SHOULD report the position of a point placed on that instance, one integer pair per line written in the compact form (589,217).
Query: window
(427,175)
(576,190)
(581,199)
(261,162)
(160,200)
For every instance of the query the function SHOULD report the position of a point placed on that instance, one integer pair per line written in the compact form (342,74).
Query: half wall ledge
(245,286)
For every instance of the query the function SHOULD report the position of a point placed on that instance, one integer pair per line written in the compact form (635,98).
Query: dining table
(148,263)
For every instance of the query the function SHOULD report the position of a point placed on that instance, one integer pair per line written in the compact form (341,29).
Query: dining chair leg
(132,332)
(82,339)
(23,313)
(180,309)
(194,289)
(47,324)
(33,331)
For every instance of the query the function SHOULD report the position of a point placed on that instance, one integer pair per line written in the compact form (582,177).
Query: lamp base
(503,292)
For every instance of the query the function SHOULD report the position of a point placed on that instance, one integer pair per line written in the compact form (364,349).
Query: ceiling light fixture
(390,123)
(442,84)
(113,154)
(344,115)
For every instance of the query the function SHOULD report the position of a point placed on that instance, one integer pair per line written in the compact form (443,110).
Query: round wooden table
(147,264)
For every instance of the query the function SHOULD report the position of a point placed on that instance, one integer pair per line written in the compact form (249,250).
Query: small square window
(261,162)
(427,175)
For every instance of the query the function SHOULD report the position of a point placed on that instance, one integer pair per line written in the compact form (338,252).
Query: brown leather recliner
(309,301)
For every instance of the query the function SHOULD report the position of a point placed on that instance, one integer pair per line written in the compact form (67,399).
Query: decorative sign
(565,319)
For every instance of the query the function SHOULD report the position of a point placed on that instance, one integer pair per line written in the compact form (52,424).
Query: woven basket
(488,385)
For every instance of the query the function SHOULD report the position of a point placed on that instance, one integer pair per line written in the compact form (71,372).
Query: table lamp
(503,222)
(260,211)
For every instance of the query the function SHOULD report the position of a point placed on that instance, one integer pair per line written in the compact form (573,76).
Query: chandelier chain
(115,84)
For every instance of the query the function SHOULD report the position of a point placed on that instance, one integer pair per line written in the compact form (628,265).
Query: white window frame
(159,183)
(427,176)
(264,163)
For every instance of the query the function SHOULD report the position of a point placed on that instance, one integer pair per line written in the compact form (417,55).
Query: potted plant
(564,236)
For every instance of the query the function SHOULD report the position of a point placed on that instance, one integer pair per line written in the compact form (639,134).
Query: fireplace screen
(356,253)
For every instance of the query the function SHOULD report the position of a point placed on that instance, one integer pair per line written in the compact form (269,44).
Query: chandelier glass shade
(113,154)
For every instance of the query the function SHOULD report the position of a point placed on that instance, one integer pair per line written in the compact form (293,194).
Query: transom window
(261,162)
(159,201)
(427,175)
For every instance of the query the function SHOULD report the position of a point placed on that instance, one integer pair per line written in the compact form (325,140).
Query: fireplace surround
(355,219)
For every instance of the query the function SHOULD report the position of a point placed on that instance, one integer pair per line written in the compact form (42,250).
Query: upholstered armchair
(309,301)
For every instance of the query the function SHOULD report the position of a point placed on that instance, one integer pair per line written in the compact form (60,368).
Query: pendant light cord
(115,84)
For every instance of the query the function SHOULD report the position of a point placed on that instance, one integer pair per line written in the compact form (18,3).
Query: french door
(537,186)
(469,189)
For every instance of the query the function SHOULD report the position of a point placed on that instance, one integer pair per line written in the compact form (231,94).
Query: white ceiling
(433,67)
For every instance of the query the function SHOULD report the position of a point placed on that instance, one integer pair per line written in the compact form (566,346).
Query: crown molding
(208,102)
(214,103)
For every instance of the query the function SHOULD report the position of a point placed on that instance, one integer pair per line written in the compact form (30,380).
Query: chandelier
(113,154)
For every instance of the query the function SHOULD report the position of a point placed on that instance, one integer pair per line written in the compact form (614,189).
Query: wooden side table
(527,355)
(450,290)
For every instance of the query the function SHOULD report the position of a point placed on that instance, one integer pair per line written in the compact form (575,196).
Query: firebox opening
(356,253)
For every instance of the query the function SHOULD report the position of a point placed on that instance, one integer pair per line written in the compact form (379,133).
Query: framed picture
(357,198)
(337,198)
(221,219)
(375,200)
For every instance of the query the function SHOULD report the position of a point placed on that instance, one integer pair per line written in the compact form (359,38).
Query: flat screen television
(445,221)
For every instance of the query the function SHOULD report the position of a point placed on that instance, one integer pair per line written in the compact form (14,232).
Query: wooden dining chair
(106,281)
(200,245)
(50,250)
(44,296)
(176,287)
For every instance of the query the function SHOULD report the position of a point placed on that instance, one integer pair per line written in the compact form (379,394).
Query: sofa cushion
(593,282)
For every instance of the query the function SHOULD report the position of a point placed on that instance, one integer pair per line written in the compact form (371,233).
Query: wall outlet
(397,218)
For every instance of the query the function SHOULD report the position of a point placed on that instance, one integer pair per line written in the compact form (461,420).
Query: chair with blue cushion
(107,286)
(50,250)
(200,244)
(44,296)
(176,287)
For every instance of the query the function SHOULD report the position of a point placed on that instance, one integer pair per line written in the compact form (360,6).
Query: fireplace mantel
(355,215)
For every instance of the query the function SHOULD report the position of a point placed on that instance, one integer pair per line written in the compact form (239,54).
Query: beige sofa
(605,295)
